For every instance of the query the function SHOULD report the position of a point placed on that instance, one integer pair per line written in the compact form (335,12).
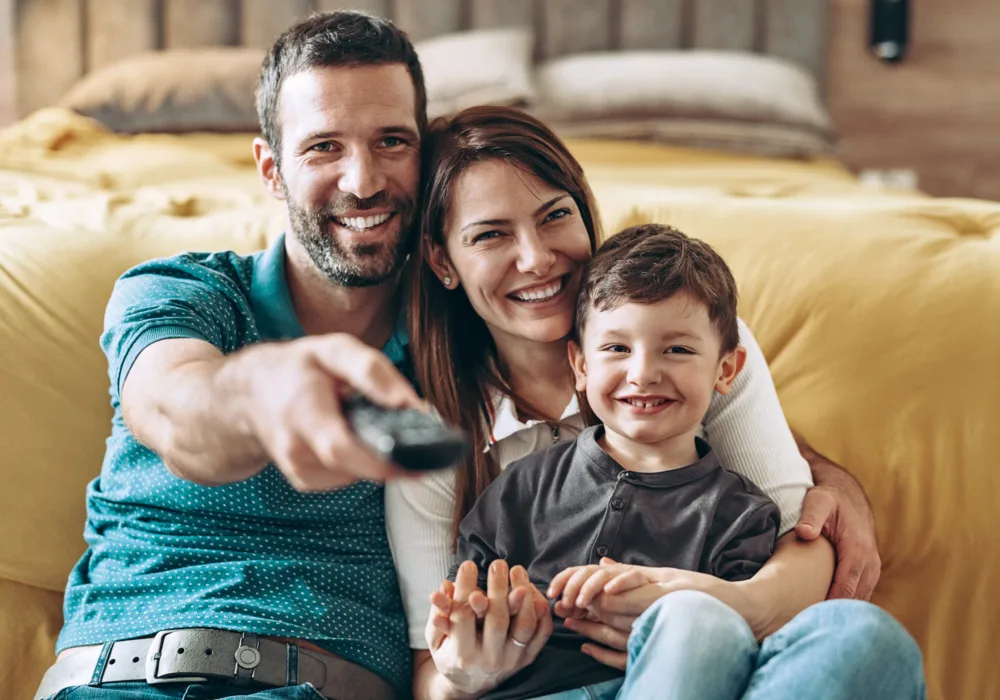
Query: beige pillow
(465,69)
(178,90)
(693,85)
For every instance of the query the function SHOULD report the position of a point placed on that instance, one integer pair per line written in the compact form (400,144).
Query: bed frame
(47,45)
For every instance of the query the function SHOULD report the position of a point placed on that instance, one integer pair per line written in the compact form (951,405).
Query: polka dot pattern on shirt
(253,556)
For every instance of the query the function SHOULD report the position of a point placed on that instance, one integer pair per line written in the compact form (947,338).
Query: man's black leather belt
(204,655)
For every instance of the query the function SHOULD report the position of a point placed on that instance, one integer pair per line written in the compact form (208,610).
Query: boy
(655,337)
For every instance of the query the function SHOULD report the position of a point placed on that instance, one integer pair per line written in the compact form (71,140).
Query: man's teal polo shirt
(254,556)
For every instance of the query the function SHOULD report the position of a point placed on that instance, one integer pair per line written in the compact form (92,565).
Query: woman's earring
(447,281)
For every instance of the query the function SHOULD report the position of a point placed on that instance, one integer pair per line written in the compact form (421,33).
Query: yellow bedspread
(879,314)
(56,155)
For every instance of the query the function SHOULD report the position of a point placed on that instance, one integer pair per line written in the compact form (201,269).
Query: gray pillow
(179,90)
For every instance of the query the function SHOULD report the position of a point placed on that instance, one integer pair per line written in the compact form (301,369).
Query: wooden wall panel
(422,19)
(571,26)
(936,113)
(194,23)
(729,25)
(8,62)
(261,21)
(651,24)
(486,14)
(49,51)
(375,7)
(797,30)
(119,28)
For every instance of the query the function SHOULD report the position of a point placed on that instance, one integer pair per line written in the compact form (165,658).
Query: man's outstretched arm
(218,419)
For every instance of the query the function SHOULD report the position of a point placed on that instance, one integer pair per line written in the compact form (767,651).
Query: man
(220,503)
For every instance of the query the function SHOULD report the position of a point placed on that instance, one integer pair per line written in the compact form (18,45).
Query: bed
(878,310)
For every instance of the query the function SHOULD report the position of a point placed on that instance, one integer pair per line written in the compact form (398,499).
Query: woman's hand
(515,626)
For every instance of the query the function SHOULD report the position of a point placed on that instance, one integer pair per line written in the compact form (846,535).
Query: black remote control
(414,440)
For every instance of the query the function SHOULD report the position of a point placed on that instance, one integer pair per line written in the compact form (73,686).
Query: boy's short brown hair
(649,263)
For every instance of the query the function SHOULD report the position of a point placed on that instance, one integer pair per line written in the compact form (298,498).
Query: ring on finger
(519,645)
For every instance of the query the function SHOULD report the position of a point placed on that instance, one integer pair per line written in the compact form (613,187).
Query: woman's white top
(746,428)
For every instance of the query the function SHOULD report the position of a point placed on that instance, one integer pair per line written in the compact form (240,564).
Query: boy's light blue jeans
(690,645)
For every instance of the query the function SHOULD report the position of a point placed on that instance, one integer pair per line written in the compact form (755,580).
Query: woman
(508,223)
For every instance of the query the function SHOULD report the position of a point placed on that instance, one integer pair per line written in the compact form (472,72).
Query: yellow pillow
(55,280)
(30,620)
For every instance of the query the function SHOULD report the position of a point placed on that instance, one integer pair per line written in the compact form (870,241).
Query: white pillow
(684,84)
(479,67)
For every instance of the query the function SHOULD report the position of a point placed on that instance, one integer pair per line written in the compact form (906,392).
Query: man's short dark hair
(649,263)
(343,38)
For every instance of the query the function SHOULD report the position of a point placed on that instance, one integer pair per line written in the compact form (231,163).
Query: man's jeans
(181,691)
(690,645)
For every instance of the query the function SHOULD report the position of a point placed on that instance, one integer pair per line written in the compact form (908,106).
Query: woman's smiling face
(516,245)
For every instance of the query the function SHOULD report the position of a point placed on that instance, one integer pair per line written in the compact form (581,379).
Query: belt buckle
(153,664)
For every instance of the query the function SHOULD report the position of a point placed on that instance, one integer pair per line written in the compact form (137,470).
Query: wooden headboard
(50,44)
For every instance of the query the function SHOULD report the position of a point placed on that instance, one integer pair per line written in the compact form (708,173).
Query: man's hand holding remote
(219,419)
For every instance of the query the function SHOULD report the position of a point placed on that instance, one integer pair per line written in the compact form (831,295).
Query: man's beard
(353,265)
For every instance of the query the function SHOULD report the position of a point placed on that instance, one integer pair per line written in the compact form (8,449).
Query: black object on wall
(890,29)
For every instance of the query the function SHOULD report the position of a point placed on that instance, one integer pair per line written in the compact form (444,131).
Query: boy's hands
(578,591)
(578,586)
(480,639)
(602,601)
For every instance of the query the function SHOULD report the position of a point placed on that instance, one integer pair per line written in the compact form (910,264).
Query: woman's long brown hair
(455,359)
